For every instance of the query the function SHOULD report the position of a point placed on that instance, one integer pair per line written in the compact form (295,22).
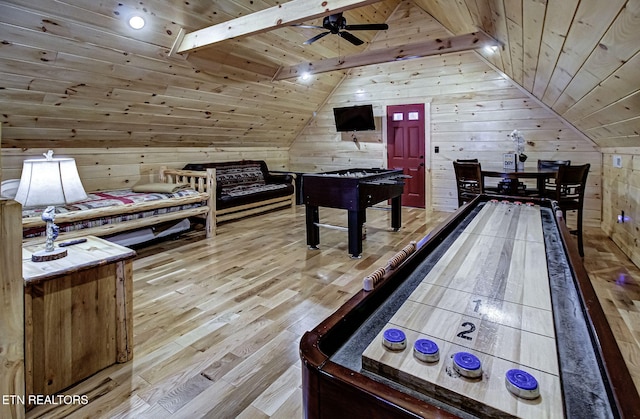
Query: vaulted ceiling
(74,74)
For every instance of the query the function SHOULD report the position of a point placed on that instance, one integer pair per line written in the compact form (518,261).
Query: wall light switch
(617,161)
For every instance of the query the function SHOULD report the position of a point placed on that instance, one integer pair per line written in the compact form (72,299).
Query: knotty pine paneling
(12,328)
(472,109)
(621,192)
(117,168)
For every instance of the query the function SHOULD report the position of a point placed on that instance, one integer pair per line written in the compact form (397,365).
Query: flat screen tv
(354,118)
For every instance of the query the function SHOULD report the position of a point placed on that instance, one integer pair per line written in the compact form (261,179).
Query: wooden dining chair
(570,188)
(468,180)
(549,190)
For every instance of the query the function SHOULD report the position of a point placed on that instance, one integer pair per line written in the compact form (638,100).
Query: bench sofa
(185,195)
(246,187)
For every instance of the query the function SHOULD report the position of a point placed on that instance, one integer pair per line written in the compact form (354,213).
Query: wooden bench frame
(201,181)
(245,210)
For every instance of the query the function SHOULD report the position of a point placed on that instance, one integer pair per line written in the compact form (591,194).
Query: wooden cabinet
(78,313)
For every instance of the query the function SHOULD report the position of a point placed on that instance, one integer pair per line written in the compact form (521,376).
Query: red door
(405,149)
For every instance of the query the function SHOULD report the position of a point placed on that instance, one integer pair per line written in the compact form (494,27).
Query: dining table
(539,174)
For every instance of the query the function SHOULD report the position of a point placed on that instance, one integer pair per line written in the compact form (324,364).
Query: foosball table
(490,315)
(353,190)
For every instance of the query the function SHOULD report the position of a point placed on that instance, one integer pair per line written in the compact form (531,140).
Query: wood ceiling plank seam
(516,48)
(35,134)
(592,20)
(230,60)
(470,106)
(616,47)
(476,126)
(78,85)
(556,26)
(621,144)
(438,47)
(484,11)
(515,29)
(79,114)
(623,128)
(161,10)
(61,57)
(501,33)
(621,83)
(64,27)
(565,121)
(433,65)
(454,16)
(535,12)
(506,93)
(126,72)
(425,82)
(390,95)
(620,110)
(483,19)
(206,96)
(189,104)
(497,115)
(20,50)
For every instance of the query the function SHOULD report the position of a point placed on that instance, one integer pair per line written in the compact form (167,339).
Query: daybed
(246,187)
(180,195)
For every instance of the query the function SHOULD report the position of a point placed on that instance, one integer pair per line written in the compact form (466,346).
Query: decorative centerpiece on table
(517,137)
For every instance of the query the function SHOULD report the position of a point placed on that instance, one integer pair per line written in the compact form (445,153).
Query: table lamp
(49,182)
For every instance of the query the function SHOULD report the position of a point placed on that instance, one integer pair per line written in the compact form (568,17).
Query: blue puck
(467,365)
(426,350)
(522,384)
(394,339)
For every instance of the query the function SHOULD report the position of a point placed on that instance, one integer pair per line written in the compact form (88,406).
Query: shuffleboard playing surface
(489,296)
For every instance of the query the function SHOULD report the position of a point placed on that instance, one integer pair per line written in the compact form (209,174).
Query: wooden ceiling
(75,75)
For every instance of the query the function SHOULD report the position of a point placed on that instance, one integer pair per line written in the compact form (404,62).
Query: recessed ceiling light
(136,22)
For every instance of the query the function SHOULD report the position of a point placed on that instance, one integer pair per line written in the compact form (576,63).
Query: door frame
(428,201)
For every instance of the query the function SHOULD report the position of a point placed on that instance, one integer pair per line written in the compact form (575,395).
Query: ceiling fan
(337,25)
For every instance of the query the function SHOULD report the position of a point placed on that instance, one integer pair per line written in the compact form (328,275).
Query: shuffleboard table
(353,190)
(490,315)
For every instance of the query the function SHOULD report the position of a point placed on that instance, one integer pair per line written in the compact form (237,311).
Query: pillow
(160,187)
(9,188)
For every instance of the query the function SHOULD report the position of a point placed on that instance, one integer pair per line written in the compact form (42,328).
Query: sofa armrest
(279,177)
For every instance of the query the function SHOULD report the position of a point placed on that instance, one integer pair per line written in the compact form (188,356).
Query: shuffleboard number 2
(470,328)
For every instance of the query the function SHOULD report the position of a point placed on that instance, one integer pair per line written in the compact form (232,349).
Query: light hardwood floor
(217,321)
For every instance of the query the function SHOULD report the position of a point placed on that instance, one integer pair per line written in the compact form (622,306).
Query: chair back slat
(468,180)
(571,183)
(552,164)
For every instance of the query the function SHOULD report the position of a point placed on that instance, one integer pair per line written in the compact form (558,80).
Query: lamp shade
(50,181)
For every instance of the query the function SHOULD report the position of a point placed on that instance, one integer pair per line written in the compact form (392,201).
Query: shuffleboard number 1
(470,328)
(477,307)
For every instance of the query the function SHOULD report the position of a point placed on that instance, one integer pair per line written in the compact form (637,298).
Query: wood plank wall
(115,168)
(621,192)
(472,109)
(11,311)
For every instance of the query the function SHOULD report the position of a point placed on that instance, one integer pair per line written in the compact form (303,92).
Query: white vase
(520,166)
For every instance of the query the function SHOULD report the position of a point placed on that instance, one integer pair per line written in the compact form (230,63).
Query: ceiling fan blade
(315,38)
(367,27)
(298,25)
(351,38)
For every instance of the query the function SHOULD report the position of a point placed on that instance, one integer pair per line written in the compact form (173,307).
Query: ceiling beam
(289,13)
(470,41)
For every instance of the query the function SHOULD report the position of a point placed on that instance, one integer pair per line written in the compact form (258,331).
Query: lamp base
(44,256)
